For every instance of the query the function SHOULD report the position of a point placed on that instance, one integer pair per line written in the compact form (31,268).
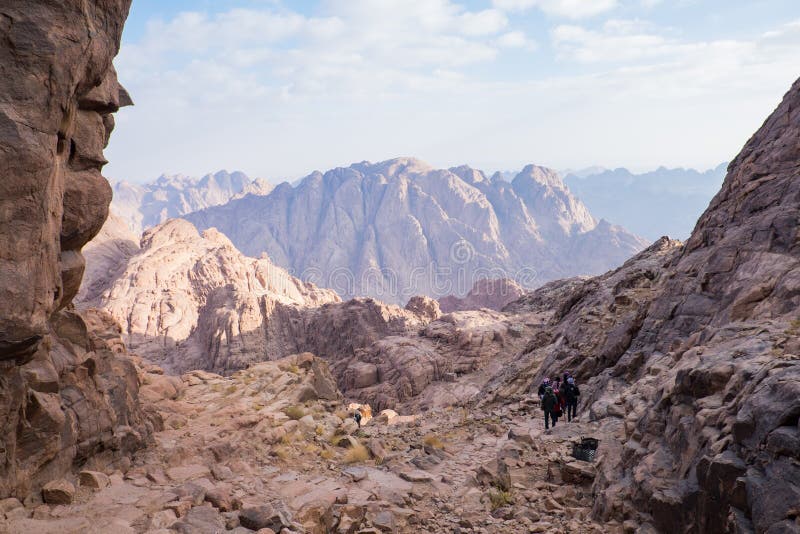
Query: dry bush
(356,454)
(294,412)
(432,440)
(327,454)
(499,498)
(282,452)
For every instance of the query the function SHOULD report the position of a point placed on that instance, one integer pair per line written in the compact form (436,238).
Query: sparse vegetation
(281,452)
(310,448)
(499,498)
(230,390)
(294,412)
(356,454)
(432,440)
(327,454)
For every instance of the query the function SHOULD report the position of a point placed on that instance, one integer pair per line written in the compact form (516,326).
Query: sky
(280,88)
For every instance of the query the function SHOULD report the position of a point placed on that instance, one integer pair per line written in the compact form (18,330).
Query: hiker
(549,403)
(571,394)
(544,385)
(357,417)
(557,391)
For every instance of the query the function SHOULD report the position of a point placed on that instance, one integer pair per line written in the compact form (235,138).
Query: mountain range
(399,228)
(146,205)
(653,204)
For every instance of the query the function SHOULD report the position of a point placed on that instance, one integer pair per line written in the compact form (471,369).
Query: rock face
(400,228)
(652,204)
(143,206)
(486,293)
(690,356)
(107,256)
(198,300)
(65,392)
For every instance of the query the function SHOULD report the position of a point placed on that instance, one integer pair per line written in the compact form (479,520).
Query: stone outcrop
(493,294)
(690,356)
(67,393)
(107,256)
(195,302)
(400,228)
(143,206)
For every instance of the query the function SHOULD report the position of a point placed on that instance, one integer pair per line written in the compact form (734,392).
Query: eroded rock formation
(691,356)
(65,392)
(195,302)
(400,228)
(493,294)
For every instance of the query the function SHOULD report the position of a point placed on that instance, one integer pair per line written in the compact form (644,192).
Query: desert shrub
(499,498)
(281,452)
(356,454)
(294,412)
(432,440)
(327,454)
(310,448)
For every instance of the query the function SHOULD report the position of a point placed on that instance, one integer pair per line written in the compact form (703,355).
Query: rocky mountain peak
(368,229)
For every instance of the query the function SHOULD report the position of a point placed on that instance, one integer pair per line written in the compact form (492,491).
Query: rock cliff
(486,293)
(195,302)
(67,390)
(691,356)
(107,256)
(399,228)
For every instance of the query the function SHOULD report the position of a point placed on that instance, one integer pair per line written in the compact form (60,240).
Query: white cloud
(363,79)
(487,22)
(515,39)
(574,9)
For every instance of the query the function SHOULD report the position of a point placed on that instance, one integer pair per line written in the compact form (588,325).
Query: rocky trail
(273,447)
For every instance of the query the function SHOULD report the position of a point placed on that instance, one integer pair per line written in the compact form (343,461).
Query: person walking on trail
(542,387)
(571,395)
(559,409)
(549,404)
(357,417)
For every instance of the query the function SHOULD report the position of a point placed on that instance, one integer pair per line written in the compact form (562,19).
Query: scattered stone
(58,492)
(266,516)
(93,479)
(416,476)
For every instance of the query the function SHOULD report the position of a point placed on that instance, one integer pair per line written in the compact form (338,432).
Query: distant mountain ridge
(398,228)
(652,204)
(143,206)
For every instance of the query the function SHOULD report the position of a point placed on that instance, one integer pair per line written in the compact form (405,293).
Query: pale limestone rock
(398,228)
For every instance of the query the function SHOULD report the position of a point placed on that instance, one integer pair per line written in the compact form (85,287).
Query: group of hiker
(558,396)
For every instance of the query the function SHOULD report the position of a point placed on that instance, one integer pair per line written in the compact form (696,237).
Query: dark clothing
(572,408)
(548,415)
(571,393)
(549,402)
(542,389)
(357,417)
